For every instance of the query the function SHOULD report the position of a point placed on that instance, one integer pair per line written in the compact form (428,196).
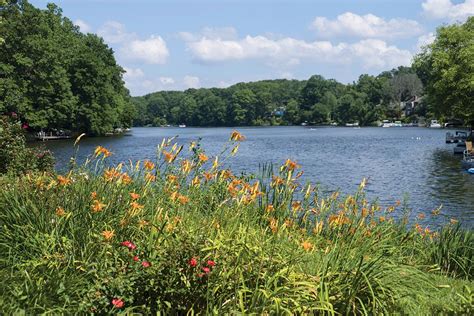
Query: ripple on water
(400,163)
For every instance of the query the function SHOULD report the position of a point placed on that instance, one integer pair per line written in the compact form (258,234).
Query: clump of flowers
(118,303)
(130,245)
(205,267)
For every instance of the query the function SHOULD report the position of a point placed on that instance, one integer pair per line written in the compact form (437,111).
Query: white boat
(386,123)
(435,124)
(181,125)
(355,124)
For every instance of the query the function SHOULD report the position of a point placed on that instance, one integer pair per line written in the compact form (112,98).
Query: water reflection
(450,183)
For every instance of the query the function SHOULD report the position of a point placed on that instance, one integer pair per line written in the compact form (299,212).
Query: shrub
(15,156)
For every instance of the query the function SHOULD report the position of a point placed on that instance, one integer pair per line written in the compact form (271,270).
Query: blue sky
(177,44)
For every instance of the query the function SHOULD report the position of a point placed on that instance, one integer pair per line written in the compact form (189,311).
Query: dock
(50,136)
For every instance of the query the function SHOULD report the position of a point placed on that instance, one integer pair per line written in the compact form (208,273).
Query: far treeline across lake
(55,77)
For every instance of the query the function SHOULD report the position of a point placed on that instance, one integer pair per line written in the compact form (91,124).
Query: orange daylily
(291,165)
(150,177)
(183,199)
(110,174)
(97,206)
(169,157)
(126,179)
(307,246)
(108,234)
(136,206)
(60,212)
(236,136)
(134,196)
(64,180)
(148,165)
(187,166)
(202,157)
(99,150)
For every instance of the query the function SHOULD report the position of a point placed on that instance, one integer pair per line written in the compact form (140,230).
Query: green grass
(306,253)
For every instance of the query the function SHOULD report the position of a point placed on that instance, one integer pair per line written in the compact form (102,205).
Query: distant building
(409,106)
(279,111)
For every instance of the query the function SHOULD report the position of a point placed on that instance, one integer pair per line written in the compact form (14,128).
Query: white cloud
(132,73)
(377,54)
(223,84)
(166,80)
(446,9)
(424,40)
(191,82)
(150,51)
(365,26)
(114,32)
(85,28)
(223,33)
(371,53)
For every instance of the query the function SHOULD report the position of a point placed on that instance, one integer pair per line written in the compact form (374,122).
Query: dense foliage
(54,76)
(182,234)
(446,67)
(15,156)
(285,102)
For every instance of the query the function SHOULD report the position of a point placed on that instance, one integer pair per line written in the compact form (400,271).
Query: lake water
(401,163)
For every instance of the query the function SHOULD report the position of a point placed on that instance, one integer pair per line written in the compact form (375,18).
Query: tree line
(443,74)
(283,102)
(55,77)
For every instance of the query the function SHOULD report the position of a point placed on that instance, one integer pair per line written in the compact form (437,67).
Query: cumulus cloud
(85,28)
(446,9)
(365,26)
(371,53)
(223,33)
(114,32)
(151,51)
(191,82)
(132,73)
(166,80)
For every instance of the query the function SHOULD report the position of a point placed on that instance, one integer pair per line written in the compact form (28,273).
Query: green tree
(56,77)
(446,68)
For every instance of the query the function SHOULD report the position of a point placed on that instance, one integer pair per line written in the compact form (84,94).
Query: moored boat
(459,148)
(435,124)
(458,136)
(355,124)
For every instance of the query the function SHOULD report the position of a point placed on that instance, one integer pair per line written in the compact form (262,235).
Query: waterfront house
(408,107)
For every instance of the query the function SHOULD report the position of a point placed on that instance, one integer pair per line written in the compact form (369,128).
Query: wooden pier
(50,136)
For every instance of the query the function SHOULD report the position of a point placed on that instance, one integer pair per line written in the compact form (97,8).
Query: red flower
(135,258)
(193,262)
(117,302)
(130,245)
(211,263)
(206,270)
(146,264)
